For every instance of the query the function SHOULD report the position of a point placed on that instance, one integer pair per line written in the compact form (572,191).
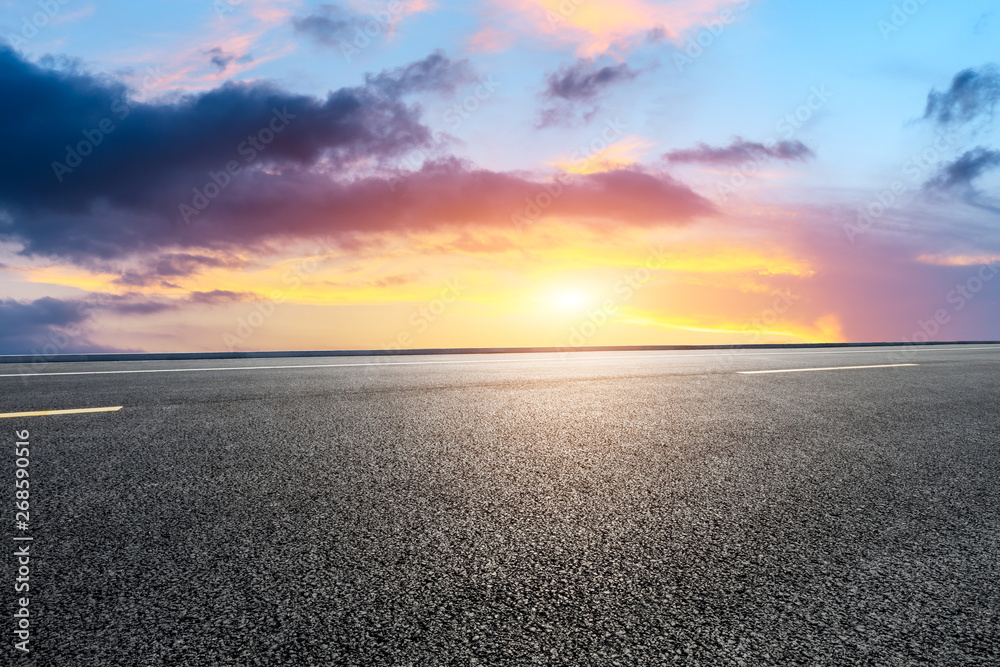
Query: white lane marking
(625,355)
(43,413)
(831,368)
(264,368)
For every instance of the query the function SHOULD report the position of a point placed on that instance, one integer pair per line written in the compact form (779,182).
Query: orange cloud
(597,25)
(618,155)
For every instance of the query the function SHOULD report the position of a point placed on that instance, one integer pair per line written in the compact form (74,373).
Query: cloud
(335,26)
(740,151)
(580,83)
(49,326)
(958,176)
(490,39)
(972,93)
(139,304)
(172,265)
(450,192)
(436,73)
(442,194)
(55,326)
(620,154)
(219,296)
(219,59)
(24,326)
(129,305)
(597,26)
(222,60)
(126,198)
(584,80)
(328,24)
(126,166)
(968,167)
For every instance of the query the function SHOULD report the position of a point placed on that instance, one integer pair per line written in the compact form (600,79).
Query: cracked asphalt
(582,509)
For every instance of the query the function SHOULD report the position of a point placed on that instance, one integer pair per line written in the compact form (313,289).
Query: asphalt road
(582,509)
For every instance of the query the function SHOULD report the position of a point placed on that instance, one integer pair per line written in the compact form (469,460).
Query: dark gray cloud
(346,30)
(173,265)
(584,80)
(220,59)
(958,177)
(329,24)
(223,60)
(219,296)
(962,172)
(436,73)
(19,319)
(85,170)
(740,151)
(576,88)
(44,326)
(49,326)
(973,93)
(125,305)
(139,304)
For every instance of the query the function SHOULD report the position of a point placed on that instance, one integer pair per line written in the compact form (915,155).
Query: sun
(569,300)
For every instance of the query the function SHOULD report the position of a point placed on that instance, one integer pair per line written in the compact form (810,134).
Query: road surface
(579,509)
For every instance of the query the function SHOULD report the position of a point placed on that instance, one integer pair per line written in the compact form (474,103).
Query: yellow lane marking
(43,413)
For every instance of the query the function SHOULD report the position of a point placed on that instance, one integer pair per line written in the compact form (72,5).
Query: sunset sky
(256,175)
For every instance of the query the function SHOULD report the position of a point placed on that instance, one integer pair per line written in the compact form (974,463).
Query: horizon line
(278,354)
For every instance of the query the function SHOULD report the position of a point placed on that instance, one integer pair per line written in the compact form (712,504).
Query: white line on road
(831,368)
(44,413)
(266,368)
(623,356)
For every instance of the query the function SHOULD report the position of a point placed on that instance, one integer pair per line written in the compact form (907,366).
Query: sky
(223,175)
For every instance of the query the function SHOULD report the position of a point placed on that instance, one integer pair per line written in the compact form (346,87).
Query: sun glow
(569,300)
